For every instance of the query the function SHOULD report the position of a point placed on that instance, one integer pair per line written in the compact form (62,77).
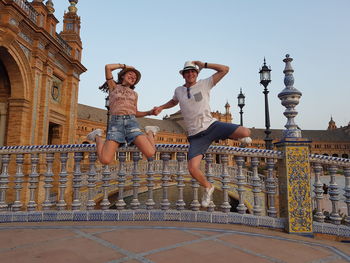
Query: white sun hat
(189,65)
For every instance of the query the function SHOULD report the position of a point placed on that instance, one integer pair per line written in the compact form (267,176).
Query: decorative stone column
(294,168)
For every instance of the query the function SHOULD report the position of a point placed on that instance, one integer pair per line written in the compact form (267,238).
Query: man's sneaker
(207,196)
(92,135)
(245,141)
(153,129)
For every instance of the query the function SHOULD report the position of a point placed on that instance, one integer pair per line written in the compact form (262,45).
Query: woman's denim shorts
(200,142)
(123,129)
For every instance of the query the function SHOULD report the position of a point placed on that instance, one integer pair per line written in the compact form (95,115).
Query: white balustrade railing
(65,177)
(331,182)
(70,178)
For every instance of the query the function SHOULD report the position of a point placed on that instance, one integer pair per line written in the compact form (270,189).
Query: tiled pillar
(294,179)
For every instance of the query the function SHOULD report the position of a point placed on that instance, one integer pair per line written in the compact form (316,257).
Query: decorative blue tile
(50,216)
(317,227)
(141,215)
(125,215)
(234,218)
(65,216)
(203,216)
(189,216)
(95,215)
(80,216)
(157,215)
(266,221)
(172,215)
(330,229)
(110,215)
(20,217)
(344,231)
(5,217)
(220,218)
(280,223)
(250,220)
(35,216)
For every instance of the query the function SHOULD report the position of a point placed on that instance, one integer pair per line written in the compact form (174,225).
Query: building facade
(39,73)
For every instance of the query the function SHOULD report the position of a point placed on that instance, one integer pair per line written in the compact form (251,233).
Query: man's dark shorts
(200,142)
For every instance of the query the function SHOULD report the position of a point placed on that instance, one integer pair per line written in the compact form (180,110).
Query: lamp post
(265,79)
(241,104)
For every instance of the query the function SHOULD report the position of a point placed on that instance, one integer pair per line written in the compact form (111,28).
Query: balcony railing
(28,9)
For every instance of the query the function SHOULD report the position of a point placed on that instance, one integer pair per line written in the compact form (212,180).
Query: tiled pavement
(168,242)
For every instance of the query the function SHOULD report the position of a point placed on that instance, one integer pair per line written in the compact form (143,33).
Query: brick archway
(15,104)
(5,93)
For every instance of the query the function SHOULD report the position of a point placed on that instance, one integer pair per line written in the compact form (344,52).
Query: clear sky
(158,36)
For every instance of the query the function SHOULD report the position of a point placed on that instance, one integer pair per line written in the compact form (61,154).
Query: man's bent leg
(196,173)
(240,132)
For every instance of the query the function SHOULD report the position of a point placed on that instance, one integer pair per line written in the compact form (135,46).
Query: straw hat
(123,71)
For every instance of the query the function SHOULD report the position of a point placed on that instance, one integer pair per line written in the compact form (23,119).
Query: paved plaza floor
(166,242)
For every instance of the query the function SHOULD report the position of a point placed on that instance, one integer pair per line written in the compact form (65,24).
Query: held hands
(156,110)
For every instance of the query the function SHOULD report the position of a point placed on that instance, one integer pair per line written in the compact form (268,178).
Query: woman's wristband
(205,65)
(109,78)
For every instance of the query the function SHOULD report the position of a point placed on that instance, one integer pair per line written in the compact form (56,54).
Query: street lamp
(265,79)
(104,88)
(241,104)
(107,107)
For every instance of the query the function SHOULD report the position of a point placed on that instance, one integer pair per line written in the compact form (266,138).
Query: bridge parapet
(66,182)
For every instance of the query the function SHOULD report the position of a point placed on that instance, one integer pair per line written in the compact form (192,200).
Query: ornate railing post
(33,182)
(135,179)
(319,216)
(180,204)
(91,181)
(347,193)
(241,208)
(4,181)
(17,205)
(165,204)
(106,177)
(294,177)
(256,184)
(150,183)
(290,97)
(195,205)
(225,183)
(76,204)
(334,195)
(61,204)
(209,173)
(120,204)
(271,188)
(47,204)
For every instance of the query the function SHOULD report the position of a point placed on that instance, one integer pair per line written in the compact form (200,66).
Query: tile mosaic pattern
(168,215)
(299,190)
